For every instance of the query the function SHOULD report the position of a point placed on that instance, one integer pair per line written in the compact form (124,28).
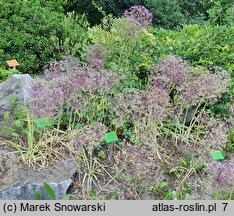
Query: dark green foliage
(34,35)
(109,6)
(221,11)
(167,13)
(54,5)
(86,6)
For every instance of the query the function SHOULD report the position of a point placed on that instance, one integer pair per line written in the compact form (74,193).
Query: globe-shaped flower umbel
(139,15)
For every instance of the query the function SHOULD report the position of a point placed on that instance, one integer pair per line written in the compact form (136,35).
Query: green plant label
(111,137)
(217,155)
(40,123)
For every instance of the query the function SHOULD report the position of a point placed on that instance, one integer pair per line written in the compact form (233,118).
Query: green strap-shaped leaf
(49,191)
(65,197)
(37,195)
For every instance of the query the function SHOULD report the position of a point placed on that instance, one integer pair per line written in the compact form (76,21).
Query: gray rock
(18,86)
(19,183)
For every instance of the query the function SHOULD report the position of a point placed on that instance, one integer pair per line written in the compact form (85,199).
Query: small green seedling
(111,137)
(102,154)
(41,123)
(217,155)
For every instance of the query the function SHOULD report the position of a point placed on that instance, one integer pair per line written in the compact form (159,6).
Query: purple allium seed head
(161,81)
(222,172)
(207,87)
(96,56)
(175,69)
(139,15)
(66,57)
(231,110)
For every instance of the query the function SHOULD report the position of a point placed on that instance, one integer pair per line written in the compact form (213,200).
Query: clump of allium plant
(88,137)
(139,15)
(205,87)
(191,88)
(44,100)
(139,104)
(171,71)
(96,56)
(67,86)
(222,172)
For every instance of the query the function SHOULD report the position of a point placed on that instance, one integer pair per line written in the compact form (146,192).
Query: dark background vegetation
(36,32)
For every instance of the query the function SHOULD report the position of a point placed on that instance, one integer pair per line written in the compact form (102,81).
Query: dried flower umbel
(205,87)
(222,172)
(45,101)
(152,102)
(191,88)
(88,137)
(215,134)
(171,71)
(139,15)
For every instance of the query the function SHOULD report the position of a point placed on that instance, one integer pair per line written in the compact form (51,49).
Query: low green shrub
(35,34)
(5,73)
(205,46)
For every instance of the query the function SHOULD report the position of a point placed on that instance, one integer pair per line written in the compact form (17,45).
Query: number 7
(225,205)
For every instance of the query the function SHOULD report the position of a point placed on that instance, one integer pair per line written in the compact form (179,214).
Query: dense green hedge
(36,32)
(167,13)
(35,35)
(205,46)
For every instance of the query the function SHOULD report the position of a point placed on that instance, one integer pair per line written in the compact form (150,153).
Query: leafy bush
(119,38)
(54,5)
(126,45)
(167,13)
(34,34)
(221,12)
(205,46)
(5,73)
(113,7)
